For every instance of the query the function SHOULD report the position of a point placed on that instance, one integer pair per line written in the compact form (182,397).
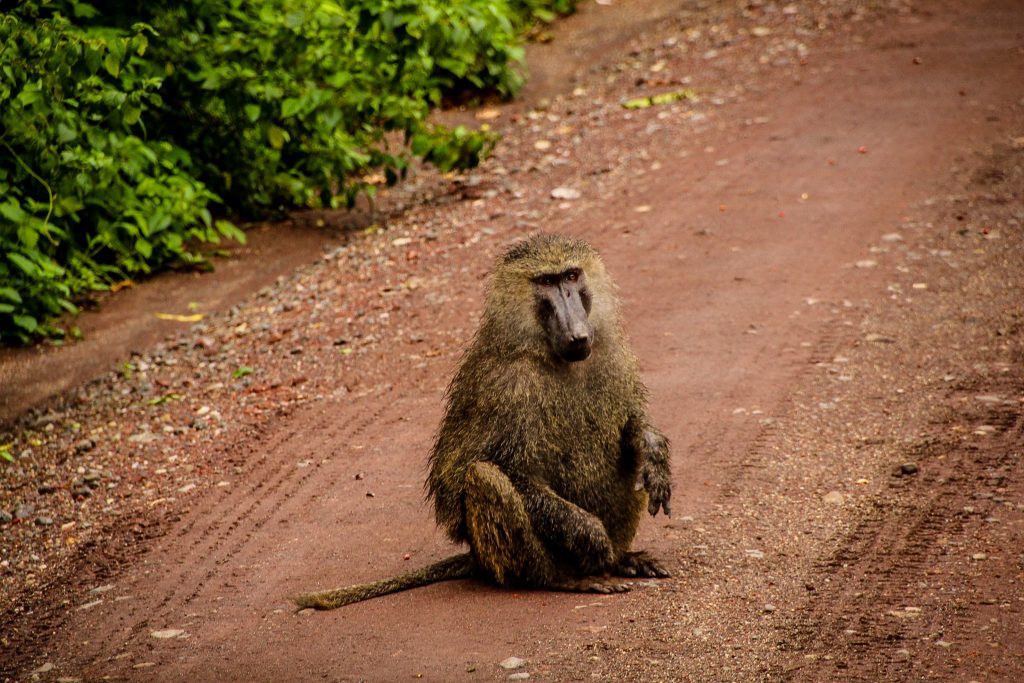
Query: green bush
(289,103)
(124,125)
(84,198)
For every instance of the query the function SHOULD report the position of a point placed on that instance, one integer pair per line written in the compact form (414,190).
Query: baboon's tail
(455,567)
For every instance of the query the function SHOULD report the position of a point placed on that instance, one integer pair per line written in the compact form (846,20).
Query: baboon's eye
(547,280)
(572,275)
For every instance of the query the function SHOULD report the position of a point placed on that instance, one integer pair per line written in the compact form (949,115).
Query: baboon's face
(563,310)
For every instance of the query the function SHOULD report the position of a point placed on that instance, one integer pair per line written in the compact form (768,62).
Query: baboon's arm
(655,475)
(569,528)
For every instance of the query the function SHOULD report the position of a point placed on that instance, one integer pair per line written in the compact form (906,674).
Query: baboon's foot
(640,565)
(591,585)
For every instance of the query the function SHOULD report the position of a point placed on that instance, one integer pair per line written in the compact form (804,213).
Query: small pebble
(84,446)
(519,676)
(512,663)
(167,633)
(565,193)
(42,520)
(833,498)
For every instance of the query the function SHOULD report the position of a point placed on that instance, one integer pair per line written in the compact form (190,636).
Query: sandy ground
(820,258)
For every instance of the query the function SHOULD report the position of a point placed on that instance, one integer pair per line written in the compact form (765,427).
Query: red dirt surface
(820,260)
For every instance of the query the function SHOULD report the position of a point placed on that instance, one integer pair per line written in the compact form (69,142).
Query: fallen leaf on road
(241,372)
(663,98)
(123,284)
(193,318)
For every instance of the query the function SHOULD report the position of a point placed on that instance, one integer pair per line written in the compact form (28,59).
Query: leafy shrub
(289,103)
(123,125)
(84,200)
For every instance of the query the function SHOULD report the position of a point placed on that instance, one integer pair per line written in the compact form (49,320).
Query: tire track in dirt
(223,527)
(753,463)
(897,542)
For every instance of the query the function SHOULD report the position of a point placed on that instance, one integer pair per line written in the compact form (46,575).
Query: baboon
(545,459)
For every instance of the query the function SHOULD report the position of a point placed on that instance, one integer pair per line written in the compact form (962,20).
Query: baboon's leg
(579,537)
(500,534)
(503,540)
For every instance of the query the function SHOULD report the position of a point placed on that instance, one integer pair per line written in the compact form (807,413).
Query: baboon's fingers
(655,503)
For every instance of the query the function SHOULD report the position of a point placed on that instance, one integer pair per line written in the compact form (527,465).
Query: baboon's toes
(609,587)
(641,565)
(653,570)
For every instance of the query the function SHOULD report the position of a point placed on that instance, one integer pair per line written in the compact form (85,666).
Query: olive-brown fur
(571,440)
(542,465)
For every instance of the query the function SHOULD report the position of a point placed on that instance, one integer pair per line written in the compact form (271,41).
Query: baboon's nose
(578,347)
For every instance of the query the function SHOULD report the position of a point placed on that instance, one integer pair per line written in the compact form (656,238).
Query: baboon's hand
(592,546)
(655,473)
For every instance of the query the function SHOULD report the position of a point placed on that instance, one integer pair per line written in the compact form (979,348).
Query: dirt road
(821,258)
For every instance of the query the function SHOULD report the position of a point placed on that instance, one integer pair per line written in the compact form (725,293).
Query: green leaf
(12,211)
(66,133)
(290,107)
(112,64)
(131,115)
(242,372)
(144,247)
(28,236)
(10,294)
(230,230)
(24,264)
(26,322)
(276,137)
